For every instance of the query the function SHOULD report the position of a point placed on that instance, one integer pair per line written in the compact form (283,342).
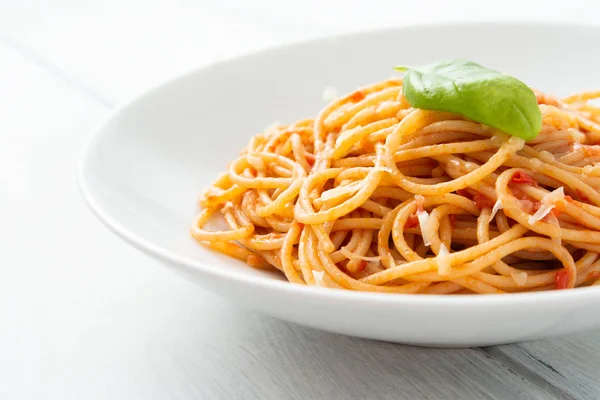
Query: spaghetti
(374,195)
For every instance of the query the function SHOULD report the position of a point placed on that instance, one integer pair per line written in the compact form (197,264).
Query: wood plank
(570,363)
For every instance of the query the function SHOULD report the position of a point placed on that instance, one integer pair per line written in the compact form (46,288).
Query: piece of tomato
(522,177)
(561,279)
(411,222)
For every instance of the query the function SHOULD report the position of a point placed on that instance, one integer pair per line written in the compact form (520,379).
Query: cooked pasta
(375,195)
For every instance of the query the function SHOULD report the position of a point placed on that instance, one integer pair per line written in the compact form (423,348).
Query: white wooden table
(83,316)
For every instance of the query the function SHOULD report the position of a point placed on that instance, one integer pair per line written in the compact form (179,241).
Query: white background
(82,316)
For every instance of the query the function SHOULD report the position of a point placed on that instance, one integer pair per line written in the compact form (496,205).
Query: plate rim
(548,298)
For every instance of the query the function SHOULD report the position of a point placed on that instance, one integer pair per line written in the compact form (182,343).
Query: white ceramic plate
(145,167)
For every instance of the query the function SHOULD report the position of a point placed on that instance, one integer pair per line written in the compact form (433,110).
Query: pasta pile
(374,195)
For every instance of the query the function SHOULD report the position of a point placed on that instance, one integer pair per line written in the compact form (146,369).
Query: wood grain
(570,363)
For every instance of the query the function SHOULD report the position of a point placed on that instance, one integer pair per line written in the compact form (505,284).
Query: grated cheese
(520,278)
(540,213)
(548,203)
(443,261)
(497,207)
(319,275)
(554,196)
(423,217)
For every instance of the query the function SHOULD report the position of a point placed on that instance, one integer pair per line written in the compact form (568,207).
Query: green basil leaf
(480,94)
